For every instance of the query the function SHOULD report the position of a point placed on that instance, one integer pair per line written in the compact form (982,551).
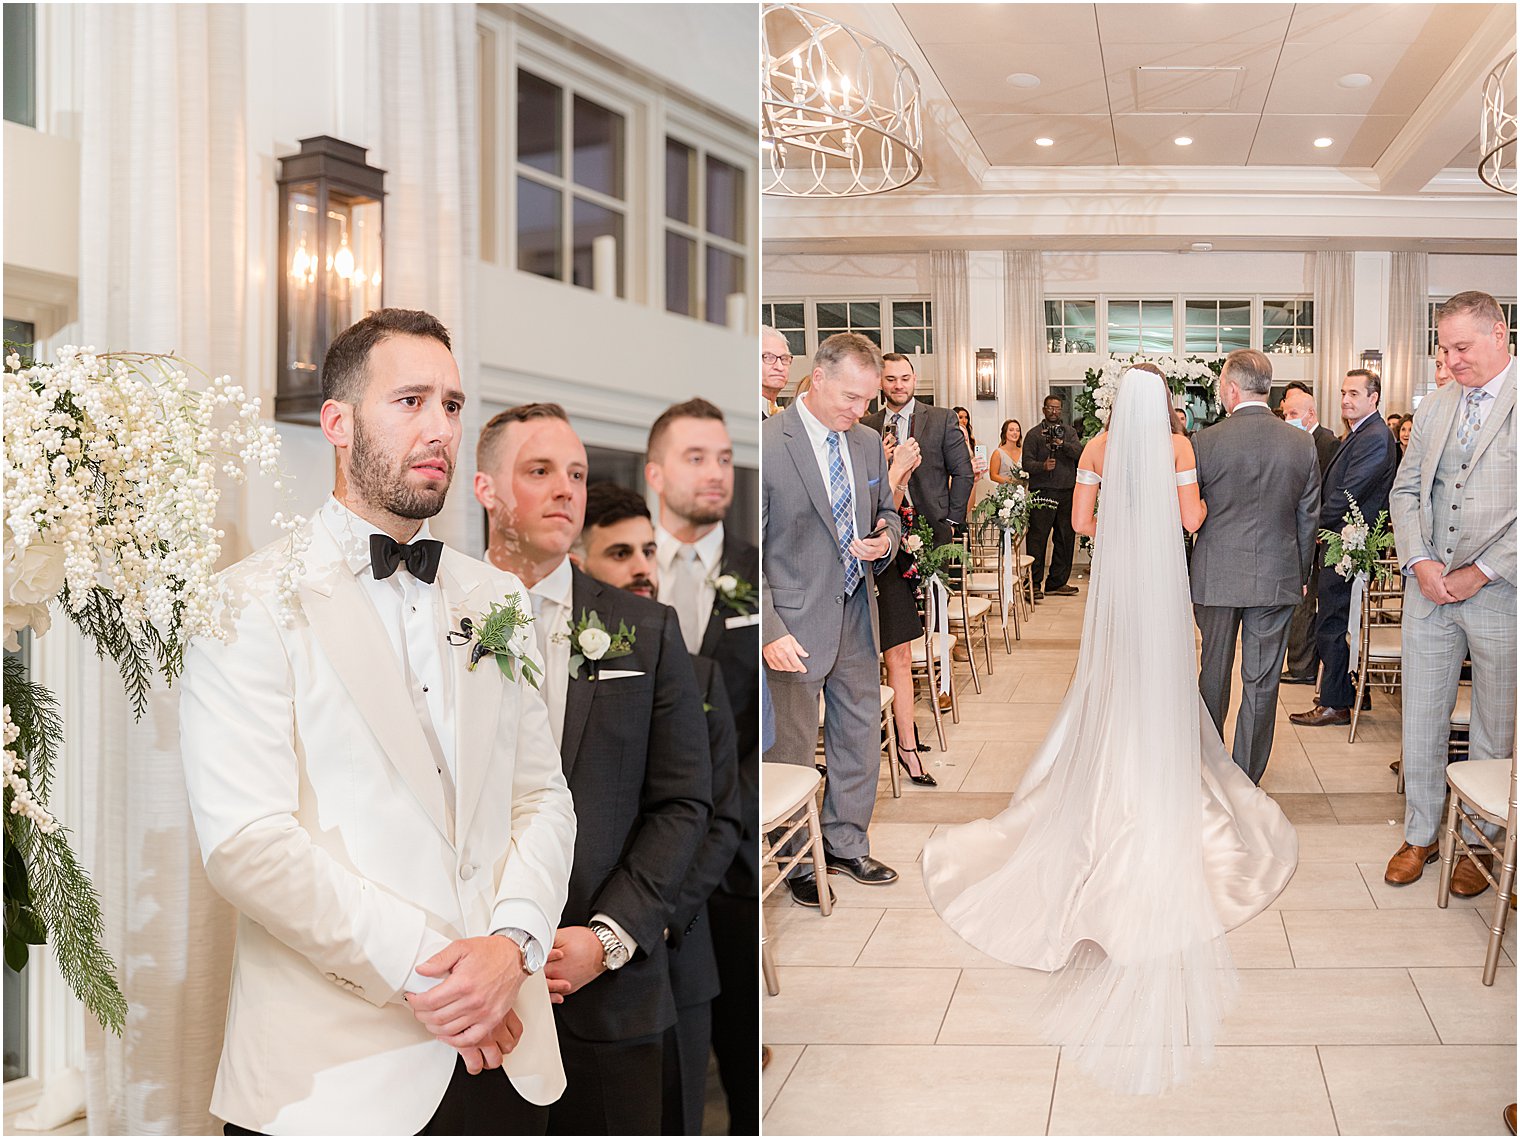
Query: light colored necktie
(686,580)
(548,621)
(1472,419)
(844,514)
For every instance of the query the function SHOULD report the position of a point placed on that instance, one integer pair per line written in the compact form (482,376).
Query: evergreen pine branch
(65,901)
(34,711)
(99,618)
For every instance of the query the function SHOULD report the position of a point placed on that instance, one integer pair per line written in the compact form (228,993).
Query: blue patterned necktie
(844,514)
(1467,430)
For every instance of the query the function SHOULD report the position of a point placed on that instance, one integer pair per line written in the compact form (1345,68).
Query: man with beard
(691,467)
(617,547)
(391,826)
(1051,452)
(628,718)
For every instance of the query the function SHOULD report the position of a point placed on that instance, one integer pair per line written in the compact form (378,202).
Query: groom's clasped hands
(470,1010)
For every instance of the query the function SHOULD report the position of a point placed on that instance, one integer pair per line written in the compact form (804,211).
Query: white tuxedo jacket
(321,818)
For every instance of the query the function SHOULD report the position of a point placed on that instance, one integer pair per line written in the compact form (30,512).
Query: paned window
(705,219)
(1215,327)
(1287,326)
(1071,326)
(1506,307)
(1141,326)
(912,327)
(789,319)
(20,49)
(863,317)
(572,198)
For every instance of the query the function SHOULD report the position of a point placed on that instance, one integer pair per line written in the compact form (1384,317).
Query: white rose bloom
(593,643)
(34,575)
(1006,510)
(913,543)
(727,583)
(19,617)
(522,640)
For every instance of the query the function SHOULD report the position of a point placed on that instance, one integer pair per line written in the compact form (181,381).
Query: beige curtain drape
(1405,364)
(1024,334)
(952,326)
(163,219)
(1334,336)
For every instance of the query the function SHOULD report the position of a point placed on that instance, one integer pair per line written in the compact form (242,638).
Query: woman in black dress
(897,612)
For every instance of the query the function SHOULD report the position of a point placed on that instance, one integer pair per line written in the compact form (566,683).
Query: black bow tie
(386,554)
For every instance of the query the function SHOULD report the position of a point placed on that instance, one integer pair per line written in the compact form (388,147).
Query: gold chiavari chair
(1380,658)
(1482,790)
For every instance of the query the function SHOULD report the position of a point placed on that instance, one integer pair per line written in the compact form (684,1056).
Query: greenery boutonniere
(503,632)
(733,591)
(591,643)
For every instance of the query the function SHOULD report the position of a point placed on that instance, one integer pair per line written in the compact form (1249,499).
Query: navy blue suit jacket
(1363,469)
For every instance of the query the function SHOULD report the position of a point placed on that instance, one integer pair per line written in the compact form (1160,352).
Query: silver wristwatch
(533,955)
(614,952)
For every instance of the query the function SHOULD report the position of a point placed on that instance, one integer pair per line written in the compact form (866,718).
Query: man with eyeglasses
(775,366)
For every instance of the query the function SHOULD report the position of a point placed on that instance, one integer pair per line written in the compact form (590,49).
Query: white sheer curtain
(952,326)
(423,84)
(1405,364)
(162,225)
(1334,338)
(1024,338)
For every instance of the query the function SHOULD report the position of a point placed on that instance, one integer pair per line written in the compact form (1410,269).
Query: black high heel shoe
(923,780)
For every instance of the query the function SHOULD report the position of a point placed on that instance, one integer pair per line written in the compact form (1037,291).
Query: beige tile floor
(1361,1008)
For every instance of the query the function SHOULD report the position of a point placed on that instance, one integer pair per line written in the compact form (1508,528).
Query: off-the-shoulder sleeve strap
(1087,477)
(1187,476)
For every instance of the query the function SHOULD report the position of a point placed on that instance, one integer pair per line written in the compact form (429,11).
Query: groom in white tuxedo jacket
(392,825)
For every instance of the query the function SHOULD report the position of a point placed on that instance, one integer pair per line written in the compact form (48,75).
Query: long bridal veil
(1133,841)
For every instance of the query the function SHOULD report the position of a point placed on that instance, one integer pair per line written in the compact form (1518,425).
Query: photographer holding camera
(1051,451)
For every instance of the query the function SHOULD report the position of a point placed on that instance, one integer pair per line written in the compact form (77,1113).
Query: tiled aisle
(1361,1010)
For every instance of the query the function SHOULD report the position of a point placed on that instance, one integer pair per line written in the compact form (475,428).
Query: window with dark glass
(705,222)
(1071,326)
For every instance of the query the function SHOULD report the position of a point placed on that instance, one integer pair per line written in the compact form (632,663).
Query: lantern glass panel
(352,260)
(302,251)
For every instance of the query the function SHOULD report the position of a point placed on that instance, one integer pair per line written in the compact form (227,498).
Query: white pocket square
(615,674)
(741,622)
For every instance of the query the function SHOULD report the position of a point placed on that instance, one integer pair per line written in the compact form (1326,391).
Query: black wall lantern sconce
(332,211)
(986,373)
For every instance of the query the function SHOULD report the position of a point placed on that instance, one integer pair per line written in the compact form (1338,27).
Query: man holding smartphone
(1051,452)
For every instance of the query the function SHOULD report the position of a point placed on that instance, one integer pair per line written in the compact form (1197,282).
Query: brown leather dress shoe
(1409,862)
(945,703)
(1509,1118)
(1467,880)
(1321,717)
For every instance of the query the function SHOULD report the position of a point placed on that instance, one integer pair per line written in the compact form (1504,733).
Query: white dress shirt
(818,436)
(551,624)
(904,418)
(552,599)
(691,599)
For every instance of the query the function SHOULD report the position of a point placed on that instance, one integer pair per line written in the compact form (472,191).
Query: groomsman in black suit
(617,547)
(691,468)
(633,743)
(1298,410)
(1363,470)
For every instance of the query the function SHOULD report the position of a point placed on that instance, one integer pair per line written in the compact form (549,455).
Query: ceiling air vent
(1188,90)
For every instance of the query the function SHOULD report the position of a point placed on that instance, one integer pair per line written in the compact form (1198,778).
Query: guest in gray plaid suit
(827,521)
(1453,509)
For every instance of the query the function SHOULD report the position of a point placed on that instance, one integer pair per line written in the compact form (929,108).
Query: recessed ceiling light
(1183,140)
(1324,142)
(1355,79)
(1044,142)
(1023,79)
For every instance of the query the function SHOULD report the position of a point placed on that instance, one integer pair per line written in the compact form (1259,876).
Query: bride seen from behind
(1109,868)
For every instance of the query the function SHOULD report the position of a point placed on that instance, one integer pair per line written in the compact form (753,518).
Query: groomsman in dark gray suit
(827,521)
(940,486)
(1261,481)
(1303,658)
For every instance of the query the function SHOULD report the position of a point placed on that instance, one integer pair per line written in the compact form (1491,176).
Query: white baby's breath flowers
(112,465)
(23,802)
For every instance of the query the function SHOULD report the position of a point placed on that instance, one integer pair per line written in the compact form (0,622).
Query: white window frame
(1098,327)
(1511,309)
(925,364)
(1259,324)
(686,128)
(1253,319)
(1154,300)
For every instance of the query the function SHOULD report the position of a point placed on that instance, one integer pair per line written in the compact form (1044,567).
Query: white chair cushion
(1385,642)
(1462,713)
(886,697)
(1484,783)
(784,787)
(975,607)
(984,583)
(918,645)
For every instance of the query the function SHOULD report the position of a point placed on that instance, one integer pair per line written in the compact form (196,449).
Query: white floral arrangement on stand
(110,501)
(1095,402)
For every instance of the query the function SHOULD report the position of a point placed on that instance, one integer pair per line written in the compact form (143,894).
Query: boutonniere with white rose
(733,591)
(503,632)
(591,643)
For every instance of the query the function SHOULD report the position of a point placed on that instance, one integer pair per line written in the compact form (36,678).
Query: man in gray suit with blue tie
(827,521)
(1453,510)
(1261,480)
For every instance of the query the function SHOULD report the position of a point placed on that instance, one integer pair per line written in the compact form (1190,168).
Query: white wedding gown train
(1134,842)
